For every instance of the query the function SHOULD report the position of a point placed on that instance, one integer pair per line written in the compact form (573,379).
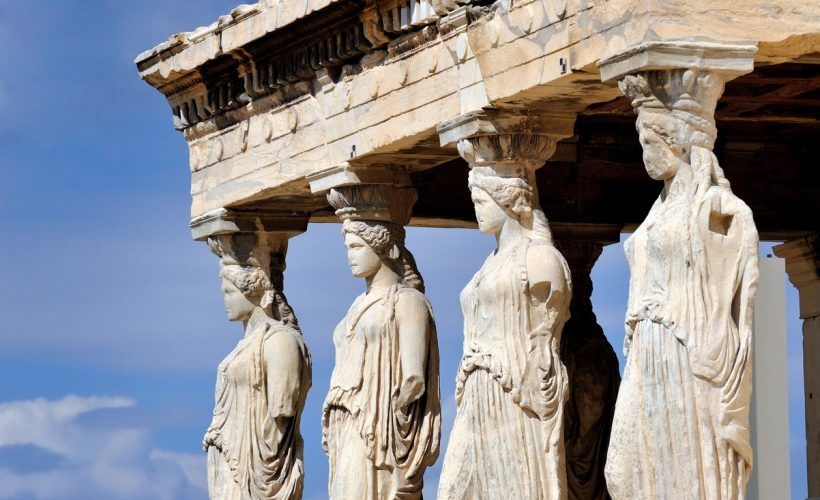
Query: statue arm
(413,320)
(542,386)
(284,362)
(549,288)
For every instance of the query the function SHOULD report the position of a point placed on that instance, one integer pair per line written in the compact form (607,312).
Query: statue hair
(264,290)
(516,196)
(387,240)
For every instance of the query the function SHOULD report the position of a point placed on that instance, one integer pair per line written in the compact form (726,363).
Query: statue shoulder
(411,300)
(545,264)
(723,212)
(283,340)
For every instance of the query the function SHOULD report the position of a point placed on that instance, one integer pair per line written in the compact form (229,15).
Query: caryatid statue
(381,419)
(681,425)
(254,444)
(507,441)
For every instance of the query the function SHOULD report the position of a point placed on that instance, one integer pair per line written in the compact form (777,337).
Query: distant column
(592,367)
(771,476)
(803,265)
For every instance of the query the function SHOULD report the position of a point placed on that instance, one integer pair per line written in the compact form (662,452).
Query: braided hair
(387,240)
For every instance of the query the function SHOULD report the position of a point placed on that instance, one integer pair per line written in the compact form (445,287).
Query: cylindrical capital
(803,266)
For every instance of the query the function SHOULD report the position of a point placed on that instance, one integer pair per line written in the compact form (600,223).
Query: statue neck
(679,184)
(384,278)
(257,319)
(511,234)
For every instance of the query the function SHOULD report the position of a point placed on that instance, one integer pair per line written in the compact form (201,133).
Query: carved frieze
(247,74)
(324,45)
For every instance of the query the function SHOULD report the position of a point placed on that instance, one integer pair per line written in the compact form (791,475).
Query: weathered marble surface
(393,96)
(381,420)
(507,439)
(681,426)
(254,442)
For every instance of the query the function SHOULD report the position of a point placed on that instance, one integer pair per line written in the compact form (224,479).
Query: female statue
(507,438)
(381,419)
(681,426)
(254,445)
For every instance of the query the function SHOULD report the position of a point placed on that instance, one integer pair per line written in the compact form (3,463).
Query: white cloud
(41,423)
(96,461)
(192,465)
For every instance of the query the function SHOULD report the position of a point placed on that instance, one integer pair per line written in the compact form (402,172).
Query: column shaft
(803,266)
(592,368)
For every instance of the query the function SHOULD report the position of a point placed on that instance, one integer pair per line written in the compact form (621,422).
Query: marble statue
(507,440)
(381,419)
(254,444)
(681,425)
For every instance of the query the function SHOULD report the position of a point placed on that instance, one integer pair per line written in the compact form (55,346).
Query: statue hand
(411,390)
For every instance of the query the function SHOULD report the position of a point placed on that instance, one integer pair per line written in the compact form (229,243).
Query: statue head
(373,244)
(497,198)
(507,194)
(502,180)
(252,275)
(675,115)
(244,288)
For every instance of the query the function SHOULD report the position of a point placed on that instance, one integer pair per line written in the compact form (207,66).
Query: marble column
(803,266)
(681,425)
(381,420)
(507,440)
(254,443)
(592,367)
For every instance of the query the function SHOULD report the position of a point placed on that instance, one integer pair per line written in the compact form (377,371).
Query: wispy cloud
(94,461)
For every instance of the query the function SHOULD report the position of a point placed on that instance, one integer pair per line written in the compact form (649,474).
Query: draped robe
(254,444)
(681,426)
(507,440)
(376,449)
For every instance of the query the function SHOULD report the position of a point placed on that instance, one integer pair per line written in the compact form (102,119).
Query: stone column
(254,443)
(507,440)
(592,367)
(803,266)
(381,419)
(681,423)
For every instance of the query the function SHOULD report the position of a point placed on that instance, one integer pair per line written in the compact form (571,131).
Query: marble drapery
(254,443)
(681,426)
(510,390)
(378,449)
(507,440)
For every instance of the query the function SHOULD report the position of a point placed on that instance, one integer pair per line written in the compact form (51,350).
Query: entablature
(280,90)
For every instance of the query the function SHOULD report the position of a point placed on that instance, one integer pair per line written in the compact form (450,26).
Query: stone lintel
(500,121)
(603,234)
(346,174)
(728,60)
(803,266)
(229,221)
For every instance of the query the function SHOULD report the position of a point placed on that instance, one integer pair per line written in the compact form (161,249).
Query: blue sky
(111,320)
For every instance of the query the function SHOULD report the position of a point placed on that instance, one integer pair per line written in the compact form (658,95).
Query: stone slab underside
(381,105)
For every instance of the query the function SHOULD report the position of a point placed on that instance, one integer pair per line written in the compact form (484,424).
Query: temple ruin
(389,112)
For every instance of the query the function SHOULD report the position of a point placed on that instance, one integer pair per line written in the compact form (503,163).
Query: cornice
(219,68)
